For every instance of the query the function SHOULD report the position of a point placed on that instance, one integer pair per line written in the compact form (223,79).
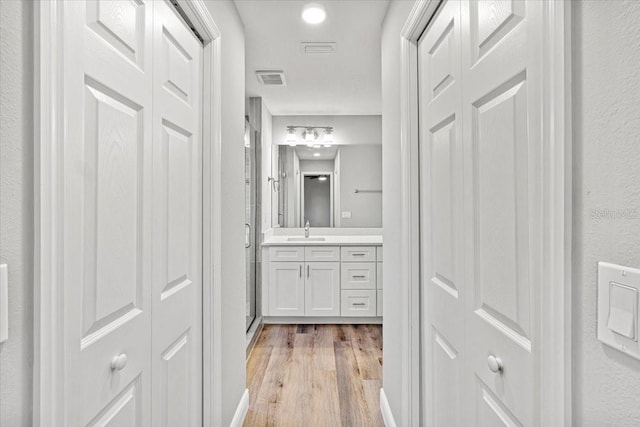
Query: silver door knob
(495,364)
(119,362)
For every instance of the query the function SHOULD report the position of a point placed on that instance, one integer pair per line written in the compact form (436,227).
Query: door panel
(177,226)
(501,101)
(106,260)
(286,289)
(441,164)
(322,289)
(124,410)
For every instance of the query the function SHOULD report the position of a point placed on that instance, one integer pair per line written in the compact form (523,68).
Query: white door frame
(331,195)
(555,364)
(48,392)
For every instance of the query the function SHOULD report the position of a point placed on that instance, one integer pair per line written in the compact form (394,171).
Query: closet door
(104,255)
(504,200)
(177,222)
(445,382)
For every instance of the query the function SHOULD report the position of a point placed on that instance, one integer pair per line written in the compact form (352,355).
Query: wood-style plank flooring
(315,375)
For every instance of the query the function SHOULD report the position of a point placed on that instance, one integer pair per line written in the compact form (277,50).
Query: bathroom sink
(306,239)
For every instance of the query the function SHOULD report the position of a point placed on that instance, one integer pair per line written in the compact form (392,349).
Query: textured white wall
(606,99)
(16,208)
(233,383)
(394,305)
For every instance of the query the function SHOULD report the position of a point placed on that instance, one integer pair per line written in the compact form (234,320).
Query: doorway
(317,199)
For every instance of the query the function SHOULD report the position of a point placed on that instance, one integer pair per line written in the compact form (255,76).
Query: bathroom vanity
(330,279)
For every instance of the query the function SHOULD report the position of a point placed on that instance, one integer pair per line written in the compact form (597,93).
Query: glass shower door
(250,175)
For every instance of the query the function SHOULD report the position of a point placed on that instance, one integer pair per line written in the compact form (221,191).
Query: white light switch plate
(4,304)
(618,300)
(346,214)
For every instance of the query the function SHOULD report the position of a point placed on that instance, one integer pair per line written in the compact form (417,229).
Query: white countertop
(328,241)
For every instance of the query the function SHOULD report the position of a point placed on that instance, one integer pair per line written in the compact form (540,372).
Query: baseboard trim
(301,320)
(387,416)
(241,411)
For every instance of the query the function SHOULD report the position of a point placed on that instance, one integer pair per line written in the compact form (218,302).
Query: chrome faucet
(306,229)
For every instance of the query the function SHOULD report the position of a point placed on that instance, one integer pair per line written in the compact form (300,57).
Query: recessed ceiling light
(313,13)
(316,154)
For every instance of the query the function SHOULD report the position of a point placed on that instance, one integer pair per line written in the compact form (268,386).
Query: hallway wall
(233,267)
(606,177)
(394,289)
(16,208)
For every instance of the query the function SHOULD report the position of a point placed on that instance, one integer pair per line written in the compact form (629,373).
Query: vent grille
(271,78)
(312,48)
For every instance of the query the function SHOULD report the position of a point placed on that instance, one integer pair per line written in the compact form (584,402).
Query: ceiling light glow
(313,13)
(316,154)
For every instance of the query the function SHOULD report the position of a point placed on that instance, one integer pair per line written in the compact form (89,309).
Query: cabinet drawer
(379,275)
(379,302)
(321,253)
(286,253)
(358,303)
(358,275)
(379,253)
(358,253)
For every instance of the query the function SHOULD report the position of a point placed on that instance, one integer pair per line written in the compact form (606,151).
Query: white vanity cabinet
(322,281)
(306,284)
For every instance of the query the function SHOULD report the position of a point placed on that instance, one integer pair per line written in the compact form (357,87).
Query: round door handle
(495,364)
(119,362)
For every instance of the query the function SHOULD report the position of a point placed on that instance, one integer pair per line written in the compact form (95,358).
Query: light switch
(623,310)
(618,292)
(346,214)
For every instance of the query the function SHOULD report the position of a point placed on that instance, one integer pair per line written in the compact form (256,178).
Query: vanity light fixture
(310,135)
(313,14)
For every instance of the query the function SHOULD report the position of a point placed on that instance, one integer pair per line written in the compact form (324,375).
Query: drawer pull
(359,254)
(359,277)
(359,304)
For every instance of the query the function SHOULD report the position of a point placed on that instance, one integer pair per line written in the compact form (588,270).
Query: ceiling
(346,82)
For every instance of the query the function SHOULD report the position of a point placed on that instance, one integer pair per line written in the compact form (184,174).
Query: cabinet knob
(495,364)
(119,362)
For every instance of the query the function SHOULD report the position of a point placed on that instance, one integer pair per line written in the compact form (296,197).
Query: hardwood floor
(315,375)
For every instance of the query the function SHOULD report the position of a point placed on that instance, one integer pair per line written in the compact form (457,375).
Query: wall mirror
(335,186)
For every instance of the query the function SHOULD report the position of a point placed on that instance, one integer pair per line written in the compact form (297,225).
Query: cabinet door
(286,289)
(322,289)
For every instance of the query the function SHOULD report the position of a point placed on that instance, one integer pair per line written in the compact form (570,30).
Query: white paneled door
(482,199)
(177,222)
(131,216)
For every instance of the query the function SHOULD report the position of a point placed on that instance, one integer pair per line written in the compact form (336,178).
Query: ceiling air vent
(271,77)
(311,48)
